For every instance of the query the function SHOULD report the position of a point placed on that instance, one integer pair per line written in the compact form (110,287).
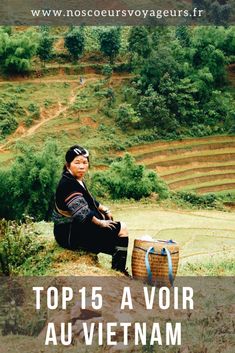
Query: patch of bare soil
(88,121)
(20,130)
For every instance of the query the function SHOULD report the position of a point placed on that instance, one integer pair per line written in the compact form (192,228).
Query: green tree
(44,50)
(182,33)
(17,51)
(139,41)
(75,43)
(214,59)
(33,178)
(153,111)
(6,200)
(126,116)
(110,43)
(158,64)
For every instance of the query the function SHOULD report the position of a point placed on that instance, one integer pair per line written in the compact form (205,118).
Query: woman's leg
(109,241)
(123,230)
(121,247)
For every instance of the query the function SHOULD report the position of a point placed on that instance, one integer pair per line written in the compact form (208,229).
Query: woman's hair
(73,152)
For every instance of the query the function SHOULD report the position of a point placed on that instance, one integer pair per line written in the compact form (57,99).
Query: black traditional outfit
(73,226)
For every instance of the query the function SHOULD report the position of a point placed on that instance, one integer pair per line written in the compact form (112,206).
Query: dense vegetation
(178,87)
(180,81)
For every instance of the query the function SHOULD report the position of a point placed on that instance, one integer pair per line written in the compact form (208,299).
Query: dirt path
(47,115)
(62,79)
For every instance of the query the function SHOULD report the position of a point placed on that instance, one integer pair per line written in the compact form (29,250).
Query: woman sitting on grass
(81,222)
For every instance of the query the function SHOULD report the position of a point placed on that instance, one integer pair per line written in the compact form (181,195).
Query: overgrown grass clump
(191,199)
(22,249)
(213,267)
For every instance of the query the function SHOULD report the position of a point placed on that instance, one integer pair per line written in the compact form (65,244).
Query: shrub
(31,183)
(125,179)
(107,71)
(200,201)
(110,43)
(75,43)
(18,242)
(126,116)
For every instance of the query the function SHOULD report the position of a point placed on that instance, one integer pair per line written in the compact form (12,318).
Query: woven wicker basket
(157,259)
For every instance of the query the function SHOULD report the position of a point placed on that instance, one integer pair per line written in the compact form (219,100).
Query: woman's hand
(104,223)
(107,224)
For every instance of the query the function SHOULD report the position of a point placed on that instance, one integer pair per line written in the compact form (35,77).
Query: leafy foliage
(75,43)
(126,116)
(18,242)
(17,50)
(8,113)
(44,50)
(110,43)
(125,179)
(199,201)
(32,180)
(139,41)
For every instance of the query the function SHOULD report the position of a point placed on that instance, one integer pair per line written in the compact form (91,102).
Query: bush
(18,242)
(17,51)
(126,116)
(125,179)
(31,182)
(75,43)
(8,112)
(107,71)
(199,201)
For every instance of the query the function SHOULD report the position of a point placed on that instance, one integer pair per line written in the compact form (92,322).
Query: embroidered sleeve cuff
(90,215)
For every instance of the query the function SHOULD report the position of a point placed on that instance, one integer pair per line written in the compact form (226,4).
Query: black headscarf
(75,151)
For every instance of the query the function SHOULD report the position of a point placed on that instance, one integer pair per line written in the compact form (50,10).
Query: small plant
(18,242)
(199,201)
(107,71)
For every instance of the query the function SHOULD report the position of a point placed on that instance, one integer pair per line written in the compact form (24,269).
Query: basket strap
(170,268)
(150,250)
(164,252)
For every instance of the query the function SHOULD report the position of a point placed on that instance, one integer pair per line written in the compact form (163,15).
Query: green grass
(37,93)
(206,239)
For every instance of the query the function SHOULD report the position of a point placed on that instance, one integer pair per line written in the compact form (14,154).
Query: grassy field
(204,236)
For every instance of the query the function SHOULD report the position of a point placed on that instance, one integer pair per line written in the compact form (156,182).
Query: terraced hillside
(201,164)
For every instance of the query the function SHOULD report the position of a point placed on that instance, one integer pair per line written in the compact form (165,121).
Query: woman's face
(79,167)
